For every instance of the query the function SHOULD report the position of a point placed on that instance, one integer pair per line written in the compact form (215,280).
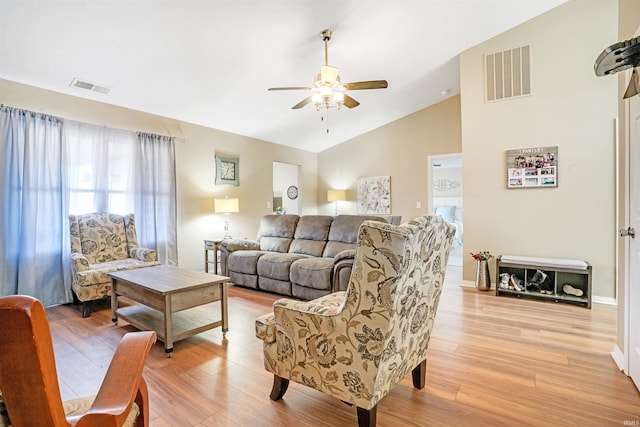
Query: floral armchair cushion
(4,416)
(356,345)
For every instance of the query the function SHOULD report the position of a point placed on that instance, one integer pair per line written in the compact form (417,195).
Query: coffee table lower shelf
(185,324)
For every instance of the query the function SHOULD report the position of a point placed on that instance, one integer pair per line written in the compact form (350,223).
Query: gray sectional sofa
(300,256)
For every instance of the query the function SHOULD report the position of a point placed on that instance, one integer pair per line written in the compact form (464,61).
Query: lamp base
(227,228)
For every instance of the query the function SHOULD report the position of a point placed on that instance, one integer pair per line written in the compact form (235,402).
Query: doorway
(445,197)
(286,189)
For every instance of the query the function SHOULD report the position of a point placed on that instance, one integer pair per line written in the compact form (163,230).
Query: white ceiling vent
(508,74)
(84,84)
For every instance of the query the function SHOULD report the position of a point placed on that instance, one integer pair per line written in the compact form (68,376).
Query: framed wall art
(532,167)
(227,170)
(374,195)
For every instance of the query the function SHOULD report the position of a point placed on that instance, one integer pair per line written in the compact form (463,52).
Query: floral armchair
(102,243)
(356,345)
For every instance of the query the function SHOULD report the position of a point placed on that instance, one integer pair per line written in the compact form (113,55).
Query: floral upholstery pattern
(358,344)
(102,243)
(72,407)
(4,416)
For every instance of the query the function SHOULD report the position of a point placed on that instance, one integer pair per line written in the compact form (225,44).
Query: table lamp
(336,196)
(227,207)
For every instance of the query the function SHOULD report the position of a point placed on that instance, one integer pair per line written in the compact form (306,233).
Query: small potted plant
(483,278)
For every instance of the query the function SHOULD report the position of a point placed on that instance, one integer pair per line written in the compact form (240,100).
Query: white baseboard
(604,300)
(618,357)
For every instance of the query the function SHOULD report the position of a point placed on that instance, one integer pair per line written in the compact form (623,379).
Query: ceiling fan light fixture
(338,98)
(328,75)
(327,90)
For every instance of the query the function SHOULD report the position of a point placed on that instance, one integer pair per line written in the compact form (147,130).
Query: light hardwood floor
(492,361)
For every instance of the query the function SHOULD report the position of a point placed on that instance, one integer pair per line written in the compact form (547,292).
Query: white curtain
(32,219)
(154,186)
(50,168)
(99,164)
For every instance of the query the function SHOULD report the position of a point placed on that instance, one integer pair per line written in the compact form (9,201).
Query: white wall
(570,108)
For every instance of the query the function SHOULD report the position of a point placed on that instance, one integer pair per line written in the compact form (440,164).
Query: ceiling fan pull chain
(326,122)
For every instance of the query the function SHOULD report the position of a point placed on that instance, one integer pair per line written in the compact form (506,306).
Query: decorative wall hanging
(374,195)
(227,170)
(532,167)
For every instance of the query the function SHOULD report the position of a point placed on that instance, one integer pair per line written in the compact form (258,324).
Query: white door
(633,290)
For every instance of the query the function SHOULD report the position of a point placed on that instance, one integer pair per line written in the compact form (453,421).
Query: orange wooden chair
(29,382)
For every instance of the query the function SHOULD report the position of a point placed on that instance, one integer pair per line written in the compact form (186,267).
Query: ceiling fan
(328,91)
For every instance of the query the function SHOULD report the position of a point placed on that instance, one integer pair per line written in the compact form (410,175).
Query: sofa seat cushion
(245,262)
(276,265)
(80,406)
(99,273)
(312,273)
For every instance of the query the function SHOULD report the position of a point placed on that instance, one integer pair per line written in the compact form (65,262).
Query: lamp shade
(328,74)
(226,205)
(336,195)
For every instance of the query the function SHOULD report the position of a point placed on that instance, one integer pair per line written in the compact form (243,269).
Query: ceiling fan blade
(302,103)
(350,102)
(290,88)
(371,84)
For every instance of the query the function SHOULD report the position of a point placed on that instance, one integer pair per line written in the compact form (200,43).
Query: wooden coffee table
(168,298)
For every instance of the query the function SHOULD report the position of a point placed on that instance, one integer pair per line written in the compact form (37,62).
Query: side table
(213,246)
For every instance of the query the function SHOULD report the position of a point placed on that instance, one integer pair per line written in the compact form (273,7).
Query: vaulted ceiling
(210,62)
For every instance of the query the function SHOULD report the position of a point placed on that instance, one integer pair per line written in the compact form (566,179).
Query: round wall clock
(292,192)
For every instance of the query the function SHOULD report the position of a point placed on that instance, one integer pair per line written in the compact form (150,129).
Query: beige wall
(399,150)
(570,107)
(195,164)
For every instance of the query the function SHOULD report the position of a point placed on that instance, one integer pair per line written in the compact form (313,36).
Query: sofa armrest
(80,262)
(348,254)
(143,254)
(266,328)
(232,245)
(295,318)
(328,305)
(342,266)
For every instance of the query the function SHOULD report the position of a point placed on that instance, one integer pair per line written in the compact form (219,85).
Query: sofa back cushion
(276,232)
(343,233)
(311,235)
(102,237)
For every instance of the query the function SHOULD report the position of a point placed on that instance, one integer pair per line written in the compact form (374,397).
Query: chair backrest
(311,235)
(28,377)
(394,289)
(343,233)
(276,232)
(102,236)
